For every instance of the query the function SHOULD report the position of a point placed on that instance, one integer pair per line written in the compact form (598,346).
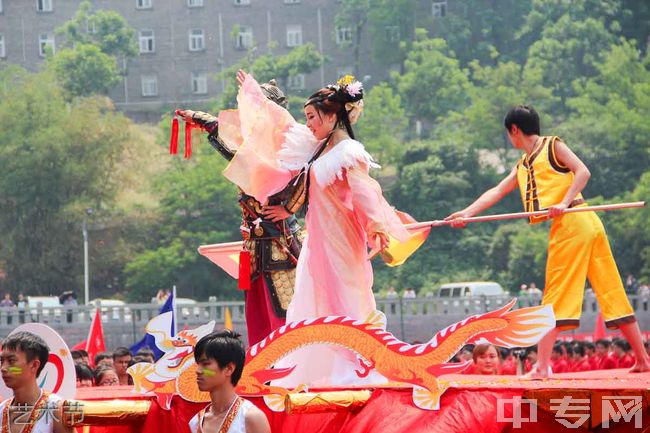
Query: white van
(470,289)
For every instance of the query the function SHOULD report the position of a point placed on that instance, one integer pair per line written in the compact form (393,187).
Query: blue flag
(148,340)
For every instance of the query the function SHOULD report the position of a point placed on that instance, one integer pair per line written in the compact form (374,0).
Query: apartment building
(184,44)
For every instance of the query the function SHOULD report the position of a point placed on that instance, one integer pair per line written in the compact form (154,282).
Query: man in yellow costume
(550,176)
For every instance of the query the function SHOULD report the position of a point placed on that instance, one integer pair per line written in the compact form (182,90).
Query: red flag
(80,346)
(95,341)
(599,330)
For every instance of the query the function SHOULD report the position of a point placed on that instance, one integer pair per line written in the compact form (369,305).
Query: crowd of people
(108,369)
(567,357)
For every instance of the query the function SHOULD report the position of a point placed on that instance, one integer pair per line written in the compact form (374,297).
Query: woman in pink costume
(346,214)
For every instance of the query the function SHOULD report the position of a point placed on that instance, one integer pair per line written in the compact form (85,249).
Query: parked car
(110,309)
(471,288)
(471,295)
(46,302)
(184,307)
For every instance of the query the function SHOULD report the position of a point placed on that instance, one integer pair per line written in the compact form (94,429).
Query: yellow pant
(578,248)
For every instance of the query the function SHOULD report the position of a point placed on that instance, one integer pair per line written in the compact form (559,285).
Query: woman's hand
(275,213)
(241,76)
(186,115)
(382,240)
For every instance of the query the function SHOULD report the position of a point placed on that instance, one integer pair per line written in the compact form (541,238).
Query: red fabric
(509,366)
(173,141)
(608,362)
(594,361)
(95,342)
(627,361)
(599,330)
(188,139)
(261,319)
(79,346)
(244,281)
(582,365)
(559,366)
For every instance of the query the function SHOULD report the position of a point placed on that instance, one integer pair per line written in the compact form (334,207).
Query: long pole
(86,270)
(507,216)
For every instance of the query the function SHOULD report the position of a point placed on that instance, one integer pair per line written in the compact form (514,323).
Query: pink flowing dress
(346,209)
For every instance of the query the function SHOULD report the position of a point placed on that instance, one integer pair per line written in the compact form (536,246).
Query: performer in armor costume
(274,244)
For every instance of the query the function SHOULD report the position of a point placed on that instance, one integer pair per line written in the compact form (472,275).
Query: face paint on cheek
(15,370)
(208,373)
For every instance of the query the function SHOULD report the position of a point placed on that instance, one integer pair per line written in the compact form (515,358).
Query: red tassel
(173,142)
(188,139)
(244,270)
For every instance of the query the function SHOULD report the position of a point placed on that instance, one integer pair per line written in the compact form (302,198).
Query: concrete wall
(409,320)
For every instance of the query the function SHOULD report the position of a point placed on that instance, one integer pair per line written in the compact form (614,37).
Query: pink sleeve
(262,126)
(371,208)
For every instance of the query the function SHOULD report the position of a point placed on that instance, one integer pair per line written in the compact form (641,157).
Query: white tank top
(238,424)
(44,423)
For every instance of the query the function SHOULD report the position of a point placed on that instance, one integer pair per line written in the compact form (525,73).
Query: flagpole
(174,316)
(507,216)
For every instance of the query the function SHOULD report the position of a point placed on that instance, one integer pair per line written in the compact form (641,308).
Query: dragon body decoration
(419,365)
(175,372)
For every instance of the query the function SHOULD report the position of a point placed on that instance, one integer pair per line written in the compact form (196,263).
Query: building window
(143,4)
(343,35)
(149,85)
(244,38)
(294,35)
(296,82)
(241,2)
(194,3)
(147,43)
(392,33)
(45,44)
(44,5)
(3,54)
(199,84)
(197,40)
(439,9)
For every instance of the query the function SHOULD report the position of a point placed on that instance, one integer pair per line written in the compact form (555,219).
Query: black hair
(579,350)
(525,117)
(589,345)
(558,349)
(333,99)
(76,354)
(101,356)
(120,352)
(83,353)
(531,350)
(224,347)
(621,344)
(604,343)
(83,372)
(31,345)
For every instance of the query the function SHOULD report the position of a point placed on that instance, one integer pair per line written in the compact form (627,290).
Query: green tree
(495,90)
(609,120)
(85,70)
(353,14)
(93,45)
(300,60)
(107,30)
(198,206)
(483,30)
(382,126)
(391,28)
(433,84)
(57,159)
